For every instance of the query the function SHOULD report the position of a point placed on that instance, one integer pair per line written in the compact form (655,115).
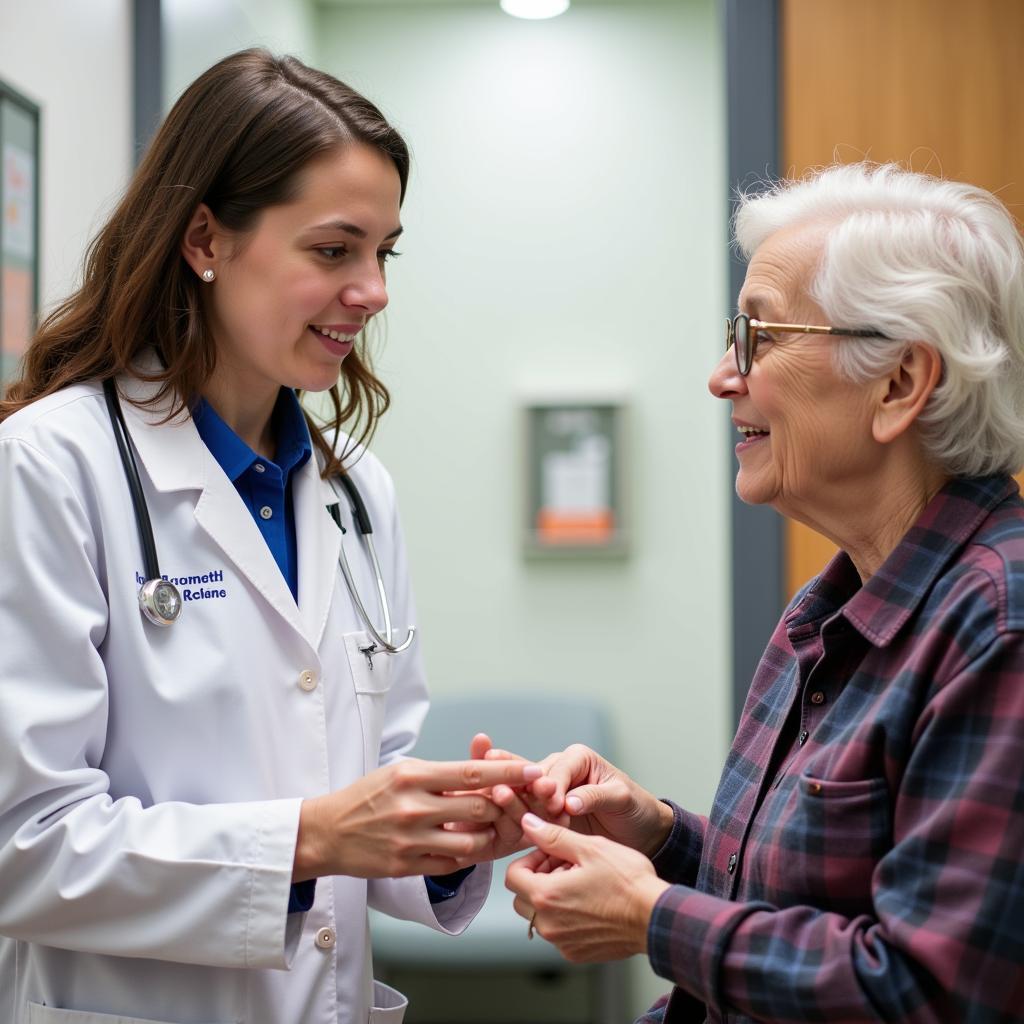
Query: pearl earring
(209,274)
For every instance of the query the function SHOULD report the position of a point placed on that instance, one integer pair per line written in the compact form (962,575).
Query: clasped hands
(589,887)
(412,817)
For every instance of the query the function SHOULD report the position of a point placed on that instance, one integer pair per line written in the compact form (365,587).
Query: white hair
(918,259)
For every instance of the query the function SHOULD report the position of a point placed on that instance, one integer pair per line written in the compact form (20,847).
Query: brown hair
(237,140)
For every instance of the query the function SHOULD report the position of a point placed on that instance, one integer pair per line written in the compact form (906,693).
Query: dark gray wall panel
(752,97)
(147,72)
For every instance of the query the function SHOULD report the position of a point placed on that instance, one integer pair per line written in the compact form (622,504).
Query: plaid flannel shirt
(864,857)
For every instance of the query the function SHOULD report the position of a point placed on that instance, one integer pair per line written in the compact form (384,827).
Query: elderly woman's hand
(597,797)
(588,896)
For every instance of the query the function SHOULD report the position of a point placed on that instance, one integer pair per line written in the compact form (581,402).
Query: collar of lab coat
(175,458)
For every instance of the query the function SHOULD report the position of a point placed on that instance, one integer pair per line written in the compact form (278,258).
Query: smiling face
(291,295)
(807,443)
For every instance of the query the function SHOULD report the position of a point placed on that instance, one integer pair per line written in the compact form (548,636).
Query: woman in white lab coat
(194,818)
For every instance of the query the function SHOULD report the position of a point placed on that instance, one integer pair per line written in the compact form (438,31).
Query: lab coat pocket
(371,677)
(38,1014)
(388,1005)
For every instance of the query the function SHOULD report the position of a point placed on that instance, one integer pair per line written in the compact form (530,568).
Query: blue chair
(533,726)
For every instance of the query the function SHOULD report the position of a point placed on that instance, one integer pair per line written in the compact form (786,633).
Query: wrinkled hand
(398,820)
(597,797)
(598,907)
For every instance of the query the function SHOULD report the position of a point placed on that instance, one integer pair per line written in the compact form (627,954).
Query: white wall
(74,60)
(565,230)
(197,33)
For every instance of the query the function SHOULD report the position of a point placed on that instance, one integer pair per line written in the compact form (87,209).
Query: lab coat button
(325,938)
(266,512)
(307,681)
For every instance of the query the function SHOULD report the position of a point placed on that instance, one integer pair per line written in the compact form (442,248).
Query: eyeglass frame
(756,326)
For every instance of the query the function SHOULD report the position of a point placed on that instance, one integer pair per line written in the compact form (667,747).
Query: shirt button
(733,858)
(803,737)
(817,697)
(259,467)
(266,512)
(814,788)
(325,938)
(778,780)
(307,680)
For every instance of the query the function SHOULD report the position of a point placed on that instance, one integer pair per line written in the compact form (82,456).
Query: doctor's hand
(396,820)
(597,798)
(588,896)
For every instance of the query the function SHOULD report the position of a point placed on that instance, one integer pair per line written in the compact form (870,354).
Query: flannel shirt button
(803,737)
(814,788)
(817,697)
(732,862)
(778,780)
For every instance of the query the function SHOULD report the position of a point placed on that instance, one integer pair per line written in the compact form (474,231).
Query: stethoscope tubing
(362,519)
(131,472)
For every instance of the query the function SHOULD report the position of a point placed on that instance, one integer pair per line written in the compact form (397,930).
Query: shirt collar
(293,444)
(234,456)
(880,607)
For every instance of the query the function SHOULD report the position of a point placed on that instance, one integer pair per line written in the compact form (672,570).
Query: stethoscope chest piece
(160,602)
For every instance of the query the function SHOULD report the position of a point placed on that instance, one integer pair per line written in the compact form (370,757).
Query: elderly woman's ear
(904,392)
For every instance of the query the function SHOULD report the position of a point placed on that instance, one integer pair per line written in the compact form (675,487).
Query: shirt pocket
(39,1014)
(825,844)
(389,1005)
(371,679)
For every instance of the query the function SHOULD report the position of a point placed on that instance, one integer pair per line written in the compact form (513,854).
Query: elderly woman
(864,857)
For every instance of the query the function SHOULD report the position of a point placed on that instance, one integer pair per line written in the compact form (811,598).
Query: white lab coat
(150,779)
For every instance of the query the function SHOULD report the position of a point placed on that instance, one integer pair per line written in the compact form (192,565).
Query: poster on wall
(19,226)
(574,478)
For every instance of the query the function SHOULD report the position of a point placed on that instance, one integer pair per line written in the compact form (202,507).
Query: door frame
(752,33)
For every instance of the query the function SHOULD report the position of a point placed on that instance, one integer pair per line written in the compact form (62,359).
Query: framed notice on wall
(574,468)
(19,226)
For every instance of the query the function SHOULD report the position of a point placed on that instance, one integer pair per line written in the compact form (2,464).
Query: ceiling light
(534,8)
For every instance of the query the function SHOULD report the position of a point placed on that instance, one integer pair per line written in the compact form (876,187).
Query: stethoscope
(160,599)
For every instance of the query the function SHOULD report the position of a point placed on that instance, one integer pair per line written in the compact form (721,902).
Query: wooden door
(933,84)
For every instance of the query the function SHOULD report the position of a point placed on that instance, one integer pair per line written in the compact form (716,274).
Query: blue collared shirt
(265,487)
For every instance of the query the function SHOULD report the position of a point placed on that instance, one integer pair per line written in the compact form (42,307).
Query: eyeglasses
(744,333)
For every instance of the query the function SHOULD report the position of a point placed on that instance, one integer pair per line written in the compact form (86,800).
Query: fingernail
(531,772)
(532,821)
(574,803)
